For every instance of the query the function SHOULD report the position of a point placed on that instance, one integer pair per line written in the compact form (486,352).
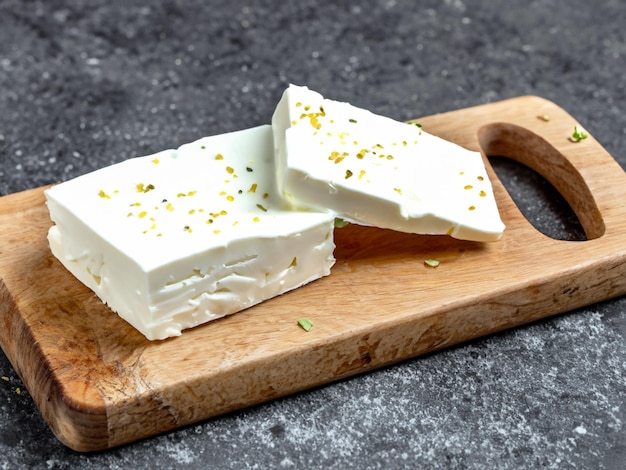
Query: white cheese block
(173,240)
(373,170)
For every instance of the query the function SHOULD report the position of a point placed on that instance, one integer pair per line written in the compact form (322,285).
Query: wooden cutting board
(100,384)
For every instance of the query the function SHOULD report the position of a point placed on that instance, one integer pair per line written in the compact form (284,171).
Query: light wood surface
(100,384)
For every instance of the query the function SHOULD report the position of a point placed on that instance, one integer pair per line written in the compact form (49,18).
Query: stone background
(87,83)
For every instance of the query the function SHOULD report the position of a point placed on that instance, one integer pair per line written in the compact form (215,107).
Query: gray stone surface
(87,83)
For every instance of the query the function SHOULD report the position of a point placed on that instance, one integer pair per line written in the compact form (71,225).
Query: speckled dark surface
(84,84)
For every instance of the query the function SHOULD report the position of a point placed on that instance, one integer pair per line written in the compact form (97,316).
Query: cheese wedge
(172,240)
(372,170)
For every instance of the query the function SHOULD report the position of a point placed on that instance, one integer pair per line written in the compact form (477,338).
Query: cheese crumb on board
(176,239)
(372,170)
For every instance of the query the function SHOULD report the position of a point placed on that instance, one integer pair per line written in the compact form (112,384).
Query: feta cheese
(173,240)
(372,170)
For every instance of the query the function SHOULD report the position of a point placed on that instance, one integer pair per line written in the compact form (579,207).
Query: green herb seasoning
(305,323)
(579,134)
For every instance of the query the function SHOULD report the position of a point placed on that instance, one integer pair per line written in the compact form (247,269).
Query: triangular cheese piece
(175,239)
(372,170)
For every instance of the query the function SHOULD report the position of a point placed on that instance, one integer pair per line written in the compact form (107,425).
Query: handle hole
(569,199)
(539,201)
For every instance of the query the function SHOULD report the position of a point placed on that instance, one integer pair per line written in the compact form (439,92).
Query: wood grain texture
(99,383)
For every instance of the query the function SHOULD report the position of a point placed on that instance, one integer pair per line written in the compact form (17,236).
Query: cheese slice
(373,170)
(172,240)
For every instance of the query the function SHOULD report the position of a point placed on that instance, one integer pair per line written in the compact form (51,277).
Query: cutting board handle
(524,146)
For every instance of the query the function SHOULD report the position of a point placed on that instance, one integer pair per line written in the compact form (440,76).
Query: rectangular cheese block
(172,240)
(373,170)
